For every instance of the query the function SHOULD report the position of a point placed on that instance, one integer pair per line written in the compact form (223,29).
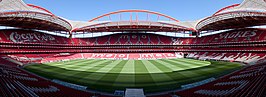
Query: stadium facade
(23,42)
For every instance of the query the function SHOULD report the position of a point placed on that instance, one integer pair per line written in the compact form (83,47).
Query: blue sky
(84,10)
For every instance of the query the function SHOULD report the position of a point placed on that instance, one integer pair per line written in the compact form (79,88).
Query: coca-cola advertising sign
(30,37)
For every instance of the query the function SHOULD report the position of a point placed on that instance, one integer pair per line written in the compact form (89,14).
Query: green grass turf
(152,75)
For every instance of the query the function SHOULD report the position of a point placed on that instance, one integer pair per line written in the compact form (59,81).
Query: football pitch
(151,75)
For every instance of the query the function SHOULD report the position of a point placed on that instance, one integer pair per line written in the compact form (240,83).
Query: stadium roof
(16,13)
(248,13)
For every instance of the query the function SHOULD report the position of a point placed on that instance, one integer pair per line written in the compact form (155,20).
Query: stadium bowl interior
(45,55)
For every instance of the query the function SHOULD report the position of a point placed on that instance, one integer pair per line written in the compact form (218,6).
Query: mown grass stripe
(99,66)
(180,66)
(153,70)
(72,66)
(150,67)
(129,67)
(173,67)
(97,76)
(65,62)
(115,79)
(89,67)
(110,66)
(161,66)
(85,64)
(126,77)
(193,62)
(80,74)
(140,78)
(75,64)
(139,67)
(189,65)
(67,73)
